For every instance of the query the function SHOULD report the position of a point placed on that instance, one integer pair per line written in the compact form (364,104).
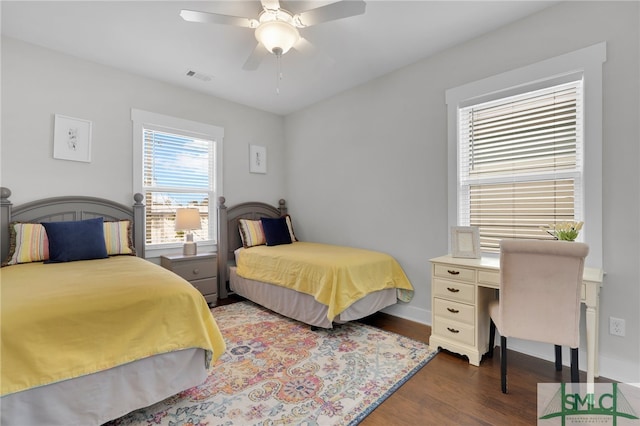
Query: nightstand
(200,270)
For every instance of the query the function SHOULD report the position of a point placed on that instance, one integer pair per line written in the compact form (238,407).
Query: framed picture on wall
(257,159)
(72,139)
(465,242)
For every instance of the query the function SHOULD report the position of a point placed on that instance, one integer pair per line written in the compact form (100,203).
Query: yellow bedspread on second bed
(65,320)
(335,276)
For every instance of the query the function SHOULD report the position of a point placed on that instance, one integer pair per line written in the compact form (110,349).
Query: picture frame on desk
(465,242)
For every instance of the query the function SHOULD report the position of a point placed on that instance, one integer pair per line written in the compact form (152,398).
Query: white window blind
(178,171)
(520,163)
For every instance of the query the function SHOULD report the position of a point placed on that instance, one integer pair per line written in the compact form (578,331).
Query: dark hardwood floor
(450,391)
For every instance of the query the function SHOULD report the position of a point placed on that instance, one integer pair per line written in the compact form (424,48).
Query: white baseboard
(408,312)
(612,368)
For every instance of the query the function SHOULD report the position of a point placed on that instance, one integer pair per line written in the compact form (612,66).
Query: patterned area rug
(277,371)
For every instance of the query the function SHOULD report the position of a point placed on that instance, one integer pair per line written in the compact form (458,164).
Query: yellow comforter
(66,320)
(335,276)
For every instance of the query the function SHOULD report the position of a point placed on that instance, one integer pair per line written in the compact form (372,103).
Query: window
(520,163)
(525,150)
(177,164)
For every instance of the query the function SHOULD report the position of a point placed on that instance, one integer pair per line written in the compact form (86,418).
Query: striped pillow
(117,237)
(251,233)
(290,226)
(27,243)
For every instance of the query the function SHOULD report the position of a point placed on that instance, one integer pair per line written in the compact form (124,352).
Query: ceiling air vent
(199,75)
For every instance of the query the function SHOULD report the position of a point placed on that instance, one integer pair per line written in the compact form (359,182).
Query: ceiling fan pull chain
(279,72)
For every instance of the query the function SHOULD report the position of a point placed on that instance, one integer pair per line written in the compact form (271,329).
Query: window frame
(159,122)
(490,181)
(586,62)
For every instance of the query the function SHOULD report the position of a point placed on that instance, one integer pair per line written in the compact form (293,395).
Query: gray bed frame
(290,303)
(74,401)
(229,236)
(68,209)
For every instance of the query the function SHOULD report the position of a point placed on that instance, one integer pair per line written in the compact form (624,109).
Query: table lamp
(188,219)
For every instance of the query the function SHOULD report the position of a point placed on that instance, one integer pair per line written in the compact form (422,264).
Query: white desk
(460,293)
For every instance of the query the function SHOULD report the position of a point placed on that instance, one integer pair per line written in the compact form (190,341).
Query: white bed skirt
(97,398)
(303,307)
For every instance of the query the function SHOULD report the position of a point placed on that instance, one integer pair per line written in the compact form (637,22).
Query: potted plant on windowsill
(565,231)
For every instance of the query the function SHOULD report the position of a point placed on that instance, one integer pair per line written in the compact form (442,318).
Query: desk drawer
(454,330)
(455,272)
(489,277)
(453,290)
(454,310)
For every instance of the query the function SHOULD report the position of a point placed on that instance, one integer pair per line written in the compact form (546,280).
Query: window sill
(153,254)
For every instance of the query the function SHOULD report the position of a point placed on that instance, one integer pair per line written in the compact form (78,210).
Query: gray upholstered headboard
(67,209)
(229,235)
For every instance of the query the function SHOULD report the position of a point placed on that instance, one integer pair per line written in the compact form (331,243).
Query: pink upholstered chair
(540,284)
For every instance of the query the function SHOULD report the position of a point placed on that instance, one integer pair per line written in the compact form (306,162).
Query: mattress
(335,276)
(303,307)
(67,323)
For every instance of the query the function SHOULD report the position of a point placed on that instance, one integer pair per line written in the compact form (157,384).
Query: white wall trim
(610,368)
(409,312)
(588,61)
(142,118)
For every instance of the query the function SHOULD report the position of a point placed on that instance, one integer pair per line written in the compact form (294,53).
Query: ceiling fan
(276,29)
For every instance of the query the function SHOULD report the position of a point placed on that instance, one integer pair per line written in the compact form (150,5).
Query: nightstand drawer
(453,290)
(195,269)
(454,330)
(208,286)
(455,273)
(454,310)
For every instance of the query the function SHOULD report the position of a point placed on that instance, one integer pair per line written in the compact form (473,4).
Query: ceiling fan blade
(330,12)
(215,18)
(321,59)
(270,4)
(255,58)
(304,46)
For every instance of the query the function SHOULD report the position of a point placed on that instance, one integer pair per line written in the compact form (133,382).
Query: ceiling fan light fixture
(277,36)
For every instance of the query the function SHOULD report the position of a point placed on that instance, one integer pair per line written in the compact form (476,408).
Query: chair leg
(558,358)
(503,363)
(575,373)
(492,338)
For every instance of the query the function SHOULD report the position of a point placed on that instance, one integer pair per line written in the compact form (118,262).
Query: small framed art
(72,139)
(465,242)
(257,159)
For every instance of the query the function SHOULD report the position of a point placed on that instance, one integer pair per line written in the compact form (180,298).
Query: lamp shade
(187,219)
(277,36)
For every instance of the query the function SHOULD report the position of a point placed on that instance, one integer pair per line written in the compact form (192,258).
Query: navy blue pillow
(276,231)
(75,240)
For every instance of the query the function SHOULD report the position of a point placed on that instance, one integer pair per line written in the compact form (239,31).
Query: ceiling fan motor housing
(277,32)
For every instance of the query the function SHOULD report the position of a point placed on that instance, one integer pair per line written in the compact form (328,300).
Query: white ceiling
(149,38)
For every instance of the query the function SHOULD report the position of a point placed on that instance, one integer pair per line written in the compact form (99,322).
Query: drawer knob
(453,311)
(453,290)
(453,330)
(196,271)
(453,272)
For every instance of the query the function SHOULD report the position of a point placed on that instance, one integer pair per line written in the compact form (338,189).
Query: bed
(85,341)
(266,275)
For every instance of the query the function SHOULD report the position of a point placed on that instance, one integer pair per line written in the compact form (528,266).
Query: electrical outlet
(616,326)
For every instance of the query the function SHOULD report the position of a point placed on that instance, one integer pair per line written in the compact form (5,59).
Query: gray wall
(365,168)
(368,167)
(38,83)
